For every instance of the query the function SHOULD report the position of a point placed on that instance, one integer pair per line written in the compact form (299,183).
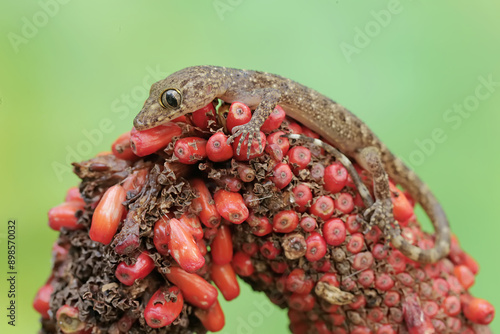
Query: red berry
(334,232)
(317,171)
(405,279)
(402,208)
(274,120)
(260,225)
(299,157)
(232,184)
(302,195)
(245,172)
(416,320)
(330,278)
(316,247)
(309,133)
(469,262)
(250,248)
(203,205)
(478,310)
(122,149)
(67,318)
(451,306)
(182,247)
(218,149)
(239,114)
(301,302)
(160,236)
(373,235)
(242,264)
(321,327)
(192,223)
(397,261)
(344,203)
(196,290)
(42,300)
(65,215)
(282,175)
(359,301)
(323,207)
(225,279)
(128,274)
(379,251)
(356,243)
(107,215)
(254,147)
(163,307)
(293,127)
(298,283)
(222,246)
(362,261)
(384,282)
(360,330)
(366,278)
(279,267)
(282,142)
(285,221)
(465,276)
(269,250)
(352,224)
(335,177)
(212,318)
(392,298)
(386,329)
(201,117)
(73,195)
(136,180)
(308,223)
(274,151)
(440,286)
(151,140)
(190,150)
(231,206)
(430,308)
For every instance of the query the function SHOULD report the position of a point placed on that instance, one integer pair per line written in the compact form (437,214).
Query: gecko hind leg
(380,213)
(370,157)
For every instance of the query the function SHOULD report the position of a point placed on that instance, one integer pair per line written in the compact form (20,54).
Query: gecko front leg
(269,98)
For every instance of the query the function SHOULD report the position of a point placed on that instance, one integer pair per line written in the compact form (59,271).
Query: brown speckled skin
(199,85)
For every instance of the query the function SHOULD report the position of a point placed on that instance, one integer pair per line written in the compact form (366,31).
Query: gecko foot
(380,214)
(252,130)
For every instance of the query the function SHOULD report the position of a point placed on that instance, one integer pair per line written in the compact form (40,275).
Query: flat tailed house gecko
(194,87)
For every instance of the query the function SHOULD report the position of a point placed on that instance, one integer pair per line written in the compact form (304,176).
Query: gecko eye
(171,98)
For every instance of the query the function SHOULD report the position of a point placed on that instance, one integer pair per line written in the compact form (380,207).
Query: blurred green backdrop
(423,75)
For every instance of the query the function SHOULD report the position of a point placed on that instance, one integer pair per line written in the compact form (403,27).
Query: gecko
(192,88)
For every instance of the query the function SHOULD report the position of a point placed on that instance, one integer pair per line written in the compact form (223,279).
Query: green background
(88,64)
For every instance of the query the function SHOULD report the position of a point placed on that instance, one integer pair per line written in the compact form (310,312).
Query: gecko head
(180,93)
